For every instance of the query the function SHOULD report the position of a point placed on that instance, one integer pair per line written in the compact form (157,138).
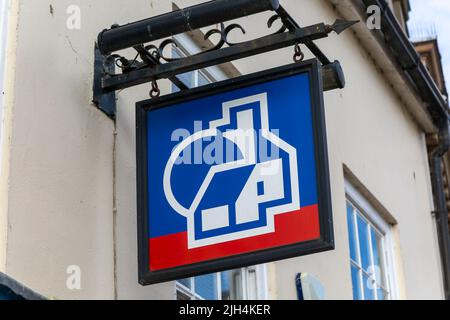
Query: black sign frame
(326,240)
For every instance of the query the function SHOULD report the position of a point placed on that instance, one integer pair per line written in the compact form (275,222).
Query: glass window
(368,255)
(226,287)
(356,282)
(190,79)
(206,286)
(363,238)
(186,283)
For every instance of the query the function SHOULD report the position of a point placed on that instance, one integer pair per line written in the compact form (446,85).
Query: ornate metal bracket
(151,62)
(105,101)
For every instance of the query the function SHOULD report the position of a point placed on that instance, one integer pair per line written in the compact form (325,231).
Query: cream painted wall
(72,194)
(60,193)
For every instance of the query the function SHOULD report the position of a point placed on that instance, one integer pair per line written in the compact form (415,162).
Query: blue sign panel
(233,174)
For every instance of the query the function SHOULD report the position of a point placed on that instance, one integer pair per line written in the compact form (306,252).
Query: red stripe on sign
(172,250)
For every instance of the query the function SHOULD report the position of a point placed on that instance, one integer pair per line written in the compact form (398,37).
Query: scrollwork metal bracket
(152,62)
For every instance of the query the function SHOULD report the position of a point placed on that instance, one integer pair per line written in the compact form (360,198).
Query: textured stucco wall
(60,192)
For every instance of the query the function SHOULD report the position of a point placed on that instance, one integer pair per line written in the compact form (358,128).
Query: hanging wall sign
(233,174)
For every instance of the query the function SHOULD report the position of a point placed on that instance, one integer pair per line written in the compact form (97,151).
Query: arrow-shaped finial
(341,25)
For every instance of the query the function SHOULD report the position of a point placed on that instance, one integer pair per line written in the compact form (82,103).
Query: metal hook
(298,55)
(155,92)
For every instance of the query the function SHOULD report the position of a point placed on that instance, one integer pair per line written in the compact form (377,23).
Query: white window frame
(373,217)
(186,46)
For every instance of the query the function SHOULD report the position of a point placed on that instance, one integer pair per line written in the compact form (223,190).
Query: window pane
(186,282)
(351,232)
(363,243)
(188,79)
(381,294)
(225,280)
(368,288)
(182,296)
(202,80)
(206,286)
(376,255)
(367,252)
(231,285)
(176,54)
(376,246)
(175,88)
(356,283)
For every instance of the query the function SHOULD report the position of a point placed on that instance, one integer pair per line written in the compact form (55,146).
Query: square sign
(233,174)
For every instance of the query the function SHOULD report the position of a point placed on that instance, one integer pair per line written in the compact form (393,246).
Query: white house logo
(239,199)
